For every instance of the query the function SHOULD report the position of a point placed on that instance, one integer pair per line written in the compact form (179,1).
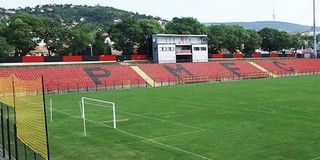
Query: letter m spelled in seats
(178,70)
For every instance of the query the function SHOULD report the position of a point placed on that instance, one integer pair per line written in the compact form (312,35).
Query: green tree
(23,32)
(285,41)
(35,22)
(20,35)
(232,38)
(126,35)
(296,42)
(217,35)
(78,40)
(54,35)
(130,35)
(5,49)
(99,46)
(148,27)
(307,41)
(239,36)
(253,42)
(185,25)
(274,40)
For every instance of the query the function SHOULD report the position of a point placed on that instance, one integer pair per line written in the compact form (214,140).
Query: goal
(97,107)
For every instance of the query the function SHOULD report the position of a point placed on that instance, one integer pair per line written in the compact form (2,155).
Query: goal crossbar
(82,109)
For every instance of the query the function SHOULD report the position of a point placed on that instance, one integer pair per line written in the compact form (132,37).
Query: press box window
(203,48)
(163,48)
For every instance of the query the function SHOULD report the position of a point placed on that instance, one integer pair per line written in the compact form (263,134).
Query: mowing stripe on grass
(81,118)
(146,139)
(165,145)
(297,116)
(139,115)
(178,134)
(210,104)
(271,111)
(67,114)
(178,124)
(242,109)
(315,158)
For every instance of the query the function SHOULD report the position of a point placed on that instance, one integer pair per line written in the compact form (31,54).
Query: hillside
(282,26)
(69,14)
(103,17)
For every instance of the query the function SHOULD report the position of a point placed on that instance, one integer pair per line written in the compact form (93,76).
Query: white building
(172,48)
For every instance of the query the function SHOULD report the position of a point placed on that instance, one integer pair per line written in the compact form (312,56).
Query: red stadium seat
(77,77)
(82,77)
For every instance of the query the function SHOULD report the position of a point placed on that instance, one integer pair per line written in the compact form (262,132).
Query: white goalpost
(50,105)
(85,101)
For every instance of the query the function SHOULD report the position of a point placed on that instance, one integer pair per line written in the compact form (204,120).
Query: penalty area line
(162,120)
(146,139)
(178,134)
(315,158)
(164,145)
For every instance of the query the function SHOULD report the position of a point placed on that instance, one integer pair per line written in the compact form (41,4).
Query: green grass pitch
(269,119)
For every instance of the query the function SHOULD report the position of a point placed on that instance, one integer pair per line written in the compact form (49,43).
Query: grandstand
(85,77)
(91,77)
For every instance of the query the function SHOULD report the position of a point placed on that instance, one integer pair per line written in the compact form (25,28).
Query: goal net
(97,111)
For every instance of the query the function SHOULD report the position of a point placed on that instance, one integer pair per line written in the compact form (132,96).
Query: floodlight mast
(314,30)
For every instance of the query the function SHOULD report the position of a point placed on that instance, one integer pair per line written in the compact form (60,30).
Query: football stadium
(93,82)
(221,109)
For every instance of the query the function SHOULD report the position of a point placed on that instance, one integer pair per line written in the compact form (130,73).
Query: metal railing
(71,87)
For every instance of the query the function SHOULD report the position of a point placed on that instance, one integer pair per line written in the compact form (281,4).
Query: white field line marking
(209,104)
(178,124)
(118,120)
(248,110)
(92,121)
(276,113)
(178,134)
(139,115)
(296,116)
(57,103)
(143,138)
(165,145)
(315,158)
(67,114)
(81,118)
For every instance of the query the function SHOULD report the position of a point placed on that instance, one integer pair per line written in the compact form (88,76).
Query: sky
(294,11)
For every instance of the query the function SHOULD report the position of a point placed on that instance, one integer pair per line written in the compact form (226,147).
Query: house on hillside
(108,40)
(161,21)
(39,51)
